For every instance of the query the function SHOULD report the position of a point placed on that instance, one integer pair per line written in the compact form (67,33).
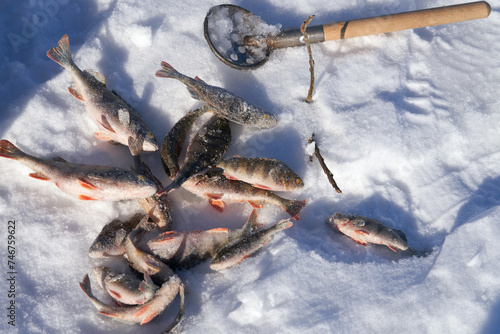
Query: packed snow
(406,121)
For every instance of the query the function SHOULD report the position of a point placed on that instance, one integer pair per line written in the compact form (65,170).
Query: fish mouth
(150,144)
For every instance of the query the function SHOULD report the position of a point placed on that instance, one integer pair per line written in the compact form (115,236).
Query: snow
(407,122)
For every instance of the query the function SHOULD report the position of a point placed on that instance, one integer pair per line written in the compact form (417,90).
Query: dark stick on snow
(303,28)
(323,165)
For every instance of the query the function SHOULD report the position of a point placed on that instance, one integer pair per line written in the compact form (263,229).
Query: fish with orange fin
(140,314)
(126,288)
(243,248)
(227,104)
(116,119)
(218,190)
(205,149)
(366,230)
(85,182)
(187,249)
(264,173)
(172,144)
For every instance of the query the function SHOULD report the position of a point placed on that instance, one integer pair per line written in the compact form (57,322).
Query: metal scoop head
(237,37)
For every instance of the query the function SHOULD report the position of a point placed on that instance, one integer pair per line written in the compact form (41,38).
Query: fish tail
(251,224)
(293,208)
(9,150)
(167,71)
(61,54)
(283,224)
(85,285)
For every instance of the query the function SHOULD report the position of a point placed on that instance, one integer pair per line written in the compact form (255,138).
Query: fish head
(294,183)
(263,119)
(337,220)
(150,144)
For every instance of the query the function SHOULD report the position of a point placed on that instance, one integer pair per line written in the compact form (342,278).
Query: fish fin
(100,77)
(229,177)
(199,79)
(9,150)
(194,94)
(261,186)
(361,232)
(114,294)
(217,204)
(101,136)
(61,54)
(59,159)
(87,184)
(219,229)
(108,314)
(39,176)
(141,311)
(148,319)
(135,145)
(213,196)
(73,90)
(124,116)
(392,248)
(256,205)
(167,71)
(86,198)
(360,242)
(105,124)
(147,282)
(401,234)
(294,208)
(251,224)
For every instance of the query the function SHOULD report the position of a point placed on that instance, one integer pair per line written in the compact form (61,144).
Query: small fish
(141,314)
(225,103)
(205,150)
(217,189)
(111,240)
(173,142)
(233,254)
(126,288)
(366,230)
(85,182)
(116,119)
(156,207)
(142,261)
(187,249)
(264,173)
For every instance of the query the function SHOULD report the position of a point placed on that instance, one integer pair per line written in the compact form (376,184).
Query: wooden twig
(303,28)
(321,161)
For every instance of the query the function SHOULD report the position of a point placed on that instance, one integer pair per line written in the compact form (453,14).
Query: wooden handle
(408,20)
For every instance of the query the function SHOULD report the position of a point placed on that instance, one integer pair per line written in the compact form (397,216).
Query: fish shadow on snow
(29,67)
(484,198)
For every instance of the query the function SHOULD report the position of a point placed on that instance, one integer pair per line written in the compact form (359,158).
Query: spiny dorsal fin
(96,75)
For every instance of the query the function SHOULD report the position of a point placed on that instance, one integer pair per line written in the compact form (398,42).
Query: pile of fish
(143,253)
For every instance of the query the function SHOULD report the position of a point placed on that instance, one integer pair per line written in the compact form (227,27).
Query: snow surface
(407,122)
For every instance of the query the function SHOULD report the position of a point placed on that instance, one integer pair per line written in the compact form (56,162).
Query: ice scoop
(243,41)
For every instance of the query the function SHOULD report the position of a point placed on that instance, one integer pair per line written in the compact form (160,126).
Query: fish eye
(150,135)
(298,181)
